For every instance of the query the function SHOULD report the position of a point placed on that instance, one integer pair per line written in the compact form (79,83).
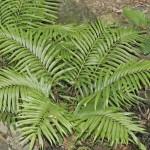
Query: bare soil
(79,11)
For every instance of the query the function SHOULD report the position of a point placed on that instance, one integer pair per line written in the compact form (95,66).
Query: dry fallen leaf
(143,122)
(117,10)
(148,117)
(141,1)
(122,147)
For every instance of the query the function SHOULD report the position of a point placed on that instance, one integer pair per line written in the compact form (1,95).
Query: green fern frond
(14,86)
(48,120)
(36,51)
(28,13)
(117,47)
(8,118)
(145,46)
(98,51)
(137,17)
(82,53)
(115,126)
(127,78)
(59,32)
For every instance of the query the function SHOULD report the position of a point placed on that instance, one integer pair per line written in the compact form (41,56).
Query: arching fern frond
(126,79)
(28,13)
(14,86)
(97,51)
(137,17)
(81,55)
(47,120)
(117,47)
(37,51)
(116,127)
(59,32)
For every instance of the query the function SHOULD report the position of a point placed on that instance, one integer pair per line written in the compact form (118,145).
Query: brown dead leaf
(145,11)
(141,1)
(143,122)
(148,117)
(123,147)
(142,26)
(68,141)
(66,144)
(117,10)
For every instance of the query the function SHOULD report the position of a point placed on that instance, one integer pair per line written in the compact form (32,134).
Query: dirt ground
(78,11)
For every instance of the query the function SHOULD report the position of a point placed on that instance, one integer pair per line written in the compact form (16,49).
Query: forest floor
(79,11)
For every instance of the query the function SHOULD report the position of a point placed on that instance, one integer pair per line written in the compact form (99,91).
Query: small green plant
(137,17)
(141,21)
(65,80)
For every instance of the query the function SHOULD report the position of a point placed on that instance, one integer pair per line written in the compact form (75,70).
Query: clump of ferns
(67,79)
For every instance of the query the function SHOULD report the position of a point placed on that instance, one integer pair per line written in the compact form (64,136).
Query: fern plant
(64,80)
(141,21)
(28,13)
(137,17)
